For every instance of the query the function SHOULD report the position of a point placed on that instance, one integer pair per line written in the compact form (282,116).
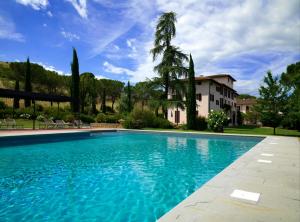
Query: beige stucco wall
(204,106)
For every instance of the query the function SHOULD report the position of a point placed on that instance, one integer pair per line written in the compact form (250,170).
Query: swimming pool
(112,176)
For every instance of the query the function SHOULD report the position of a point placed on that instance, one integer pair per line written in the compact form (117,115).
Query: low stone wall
(106,125)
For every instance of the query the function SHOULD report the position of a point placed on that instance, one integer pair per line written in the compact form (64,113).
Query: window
(221,102)
(211,97)
(199,96)
(232,95)
(228,94)
(199,83)
(238,108)
(217,102)
(225,92)
(218,89)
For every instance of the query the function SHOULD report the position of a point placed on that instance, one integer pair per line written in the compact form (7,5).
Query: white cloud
(45,25)
(70,36)
(52,68)
(110,68)
(35,4)
(49,13)
(80,6)
(8,30)
(215,31)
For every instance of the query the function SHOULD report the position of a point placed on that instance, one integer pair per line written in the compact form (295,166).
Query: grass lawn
(27,123)
(247,130)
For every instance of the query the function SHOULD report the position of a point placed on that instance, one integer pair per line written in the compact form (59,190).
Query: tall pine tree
(75,83)
(28,87)
(191,97)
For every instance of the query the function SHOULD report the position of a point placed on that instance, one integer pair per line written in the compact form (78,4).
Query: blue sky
(113,37)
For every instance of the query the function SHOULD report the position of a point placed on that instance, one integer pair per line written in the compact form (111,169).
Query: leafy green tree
(171,67)
(291,80)
(272,100)
(75,83)
(246,96)
(28,87)
(88,92)
(115,91)
(16,104)
(191,97)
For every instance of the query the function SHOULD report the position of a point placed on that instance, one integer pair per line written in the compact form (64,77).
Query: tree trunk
(112,104)
(166,81)
(103,103)
(274,130)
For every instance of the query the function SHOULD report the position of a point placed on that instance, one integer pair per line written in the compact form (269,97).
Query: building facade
(213,92)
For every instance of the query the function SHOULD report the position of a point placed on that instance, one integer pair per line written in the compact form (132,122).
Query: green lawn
(27,123)
(248,130)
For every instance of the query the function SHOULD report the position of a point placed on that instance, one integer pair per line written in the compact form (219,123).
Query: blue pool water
(117,176)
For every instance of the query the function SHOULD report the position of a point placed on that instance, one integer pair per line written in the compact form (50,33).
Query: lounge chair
(11,124)
(47,124)
(79,124)
(62,124)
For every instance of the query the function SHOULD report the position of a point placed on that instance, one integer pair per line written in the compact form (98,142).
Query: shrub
(138,119)
(102,118)
(69,117)
(216,121)
(25,116)
(2,105)
(201,123)
(86,118)
(40,118)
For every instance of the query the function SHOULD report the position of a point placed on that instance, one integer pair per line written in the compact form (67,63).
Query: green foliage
(2,105)
(86,118)
(291,80)
(69,117)
(272,101)
(28,87)
(103,118)
(87,91)
(191,97)
(75,83)
(200,123)
(216,121)
(138,119)
(171,66)
(240,118)
(129,98)
(246,96)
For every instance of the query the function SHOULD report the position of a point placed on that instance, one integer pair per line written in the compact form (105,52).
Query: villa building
(245,105)
(214,92)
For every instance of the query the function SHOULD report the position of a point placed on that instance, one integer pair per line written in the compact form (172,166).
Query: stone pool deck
(270,169)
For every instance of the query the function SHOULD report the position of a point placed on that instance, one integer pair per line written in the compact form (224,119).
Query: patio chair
(62,124)
(79,123)
(11,124)
(47,124)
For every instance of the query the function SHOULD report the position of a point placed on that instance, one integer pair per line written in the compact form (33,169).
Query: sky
(113,37)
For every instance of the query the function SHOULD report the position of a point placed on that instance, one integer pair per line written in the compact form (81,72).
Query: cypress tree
(16,100)
(75,83)
(129,102)
(191,97)
(28,87)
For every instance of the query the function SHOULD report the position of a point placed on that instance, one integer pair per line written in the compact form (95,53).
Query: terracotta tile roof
(245,101)
(216,76)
